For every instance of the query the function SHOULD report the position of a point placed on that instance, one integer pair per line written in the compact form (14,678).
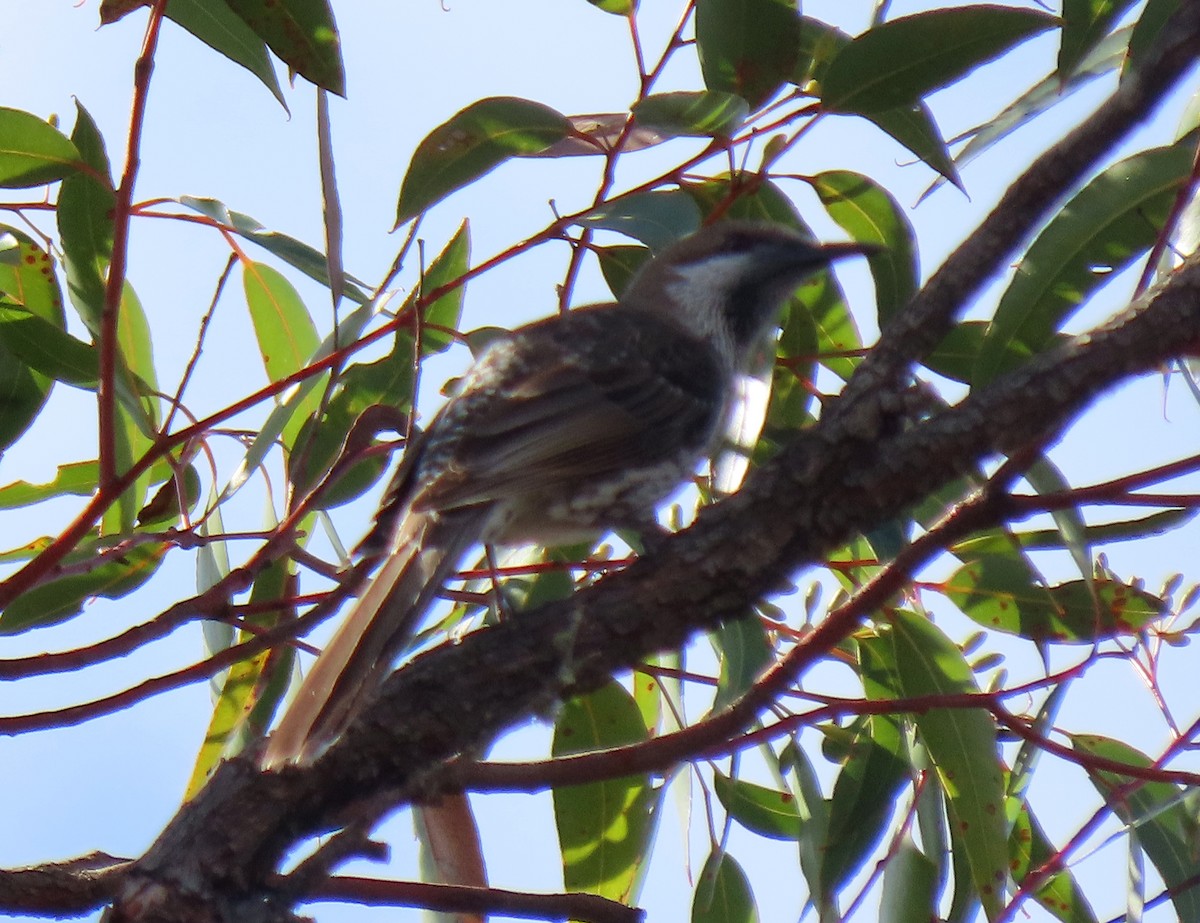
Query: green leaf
(48,349)
(76,479)
(215,24)
(1146,32)
(163,508)
(1045,478)
(1042,96)
(1000,591)
(452,263)
(747,47)
(27,285)
(1165,827)
(472,143)
(33,152)
(604,828)
(27,276)
(817,45)
(136,417)
(64,597)
(1085,23)
(655,218)
(387,381)
(863,799)
(910,886)
(899,62)
(1122,531)
(765,811)
(23,394)
(309,260)
(748,197)
(243,682)
(915,128)
(616,7)
(1060,893)
(868,213)
(302,33)
(723,892)
(287,337)
(300,395)
(708,113)
(85,223)
(814,824)
(956,355)
(744,652)
(136,350)
(962,745)
(619,264)
(1103,229)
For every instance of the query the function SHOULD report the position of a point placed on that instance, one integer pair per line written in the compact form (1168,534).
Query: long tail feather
(426,549)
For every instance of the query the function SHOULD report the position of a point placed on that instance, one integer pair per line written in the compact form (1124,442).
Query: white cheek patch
(698,289)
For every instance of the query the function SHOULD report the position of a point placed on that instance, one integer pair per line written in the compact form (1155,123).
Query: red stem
(106,396)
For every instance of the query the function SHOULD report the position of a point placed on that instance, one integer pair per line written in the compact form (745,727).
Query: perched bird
(566,428)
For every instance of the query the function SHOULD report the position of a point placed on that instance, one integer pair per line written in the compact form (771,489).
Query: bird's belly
(550,518)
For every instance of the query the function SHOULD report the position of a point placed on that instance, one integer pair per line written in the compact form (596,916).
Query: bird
(566,428)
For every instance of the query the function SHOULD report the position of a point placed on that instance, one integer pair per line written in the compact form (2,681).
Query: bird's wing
(650,396)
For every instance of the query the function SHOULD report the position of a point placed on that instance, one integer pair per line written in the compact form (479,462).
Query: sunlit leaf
(243,682)
(869,214)
(1120,531)
(708,113)
(442,316)
(287,338)
(604,828)
(136,416)
(616,7)
(33,152)
(76,479)
(29,288)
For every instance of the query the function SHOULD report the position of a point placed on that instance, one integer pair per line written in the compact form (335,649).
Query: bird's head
(729,281)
